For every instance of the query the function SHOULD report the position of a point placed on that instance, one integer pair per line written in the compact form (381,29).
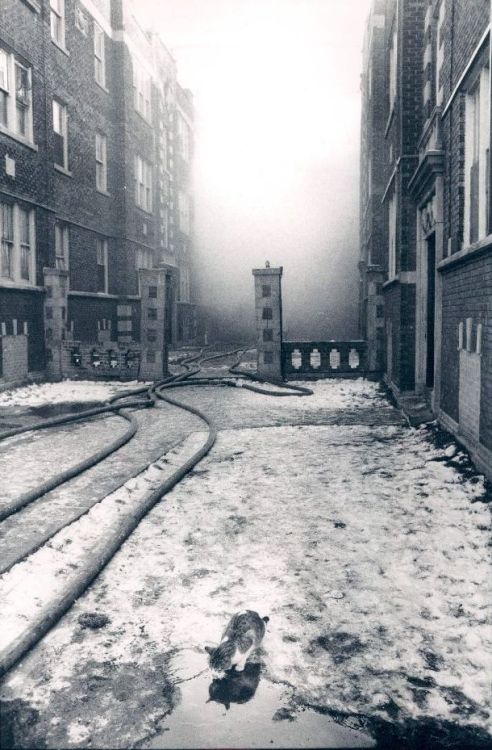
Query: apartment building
(437,284)
(89,182)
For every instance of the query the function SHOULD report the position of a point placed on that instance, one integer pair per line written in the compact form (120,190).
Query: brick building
(438,216)
(96,142)
(372,156)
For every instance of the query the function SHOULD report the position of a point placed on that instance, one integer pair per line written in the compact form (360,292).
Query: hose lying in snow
(29,638)
(50,484)
(171,381)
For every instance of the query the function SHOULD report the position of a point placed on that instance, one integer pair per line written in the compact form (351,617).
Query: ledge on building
(62,170)
(19,138)
(470,253)
(17,286)
(97,295)
(60,47)
(33,5)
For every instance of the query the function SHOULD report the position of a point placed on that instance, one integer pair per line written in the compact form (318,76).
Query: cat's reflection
(235,687)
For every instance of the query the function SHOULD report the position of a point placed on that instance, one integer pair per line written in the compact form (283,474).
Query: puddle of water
(203,720)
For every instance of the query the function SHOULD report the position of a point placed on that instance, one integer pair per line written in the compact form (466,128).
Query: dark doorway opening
(431,308)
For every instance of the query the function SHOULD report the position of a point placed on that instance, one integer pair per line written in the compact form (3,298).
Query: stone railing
(324,359)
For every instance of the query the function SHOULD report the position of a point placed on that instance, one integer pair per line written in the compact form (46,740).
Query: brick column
(153,364)
(268,312)
(55,317)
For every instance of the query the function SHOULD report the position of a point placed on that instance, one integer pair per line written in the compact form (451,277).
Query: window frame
(142,91)
(63,134)
(62,259)
(101,144)
(17,243)
(99,56)
(184,212)
(476,154)
(9,124)
(143,179)
(102,253)
(57,20)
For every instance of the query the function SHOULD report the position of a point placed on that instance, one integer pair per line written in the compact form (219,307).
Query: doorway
(431,308)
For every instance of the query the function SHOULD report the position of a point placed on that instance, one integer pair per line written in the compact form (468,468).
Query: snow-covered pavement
(366,545)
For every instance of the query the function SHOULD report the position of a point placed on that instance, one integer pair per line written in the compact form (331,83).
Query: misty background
(276,85)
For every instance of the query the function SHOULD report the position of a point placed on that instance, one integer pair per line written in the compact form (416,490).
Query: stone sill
(19,287)
(390,282)
(469,253)
(389,121)
(33,5)
(19,138)
(97,295)
(60,47)
(62,170)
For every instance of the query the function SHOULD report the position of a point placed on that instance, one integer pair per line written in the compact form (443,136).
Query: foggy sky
(277,99)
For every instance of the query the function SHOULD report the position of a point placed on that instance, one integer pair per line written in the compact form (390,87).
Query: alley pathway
(365,542)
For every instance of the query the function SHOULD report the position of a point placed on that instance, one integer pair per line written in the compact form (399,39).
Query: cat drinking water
(243,634)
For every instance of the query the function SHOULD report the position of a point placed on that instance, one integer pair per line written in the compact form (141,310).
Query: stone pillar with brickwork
(268,312)
(55,318)
(153,363)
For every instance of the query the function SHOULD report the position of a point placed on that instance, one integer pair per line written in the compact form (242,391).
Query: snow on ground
(369,553)
(64,391)
(44,577)
(334,394)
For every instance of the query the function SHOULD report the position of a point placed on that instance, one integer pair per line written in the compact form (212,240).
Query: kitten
(244,633)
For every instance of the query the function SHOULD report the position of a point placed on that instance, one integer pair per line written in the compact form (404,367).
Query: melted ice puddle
(201,718)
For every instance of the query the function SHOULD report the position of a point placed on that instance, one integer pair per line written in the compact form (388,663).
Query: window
(61,246)
(392,237)
(184,212)
(101,163)
(268,334)
(15,96)
(7,218)
(102,265)
(99,56)
(393,67)
(477,154)
(17,234)
(267,313)
(143,184)
(143,259)
(57,19)
(152,292)
(141,91)
(266,290)
(440,52)
(184,284)
(184,138)
(24,244)
(60,141)
(4,87)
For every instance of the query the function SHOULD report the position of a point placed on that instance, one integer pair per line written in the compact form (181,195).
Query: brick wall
(467,291)
(13,358)
(25,307)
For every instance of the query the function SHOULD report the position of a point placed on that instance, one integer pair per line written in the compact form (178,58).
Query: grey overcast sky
(277,96)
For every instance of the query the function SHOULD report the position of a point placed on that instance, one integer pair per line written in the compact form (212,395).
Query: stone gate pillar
(55,318)
(268,311)
(153,363)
